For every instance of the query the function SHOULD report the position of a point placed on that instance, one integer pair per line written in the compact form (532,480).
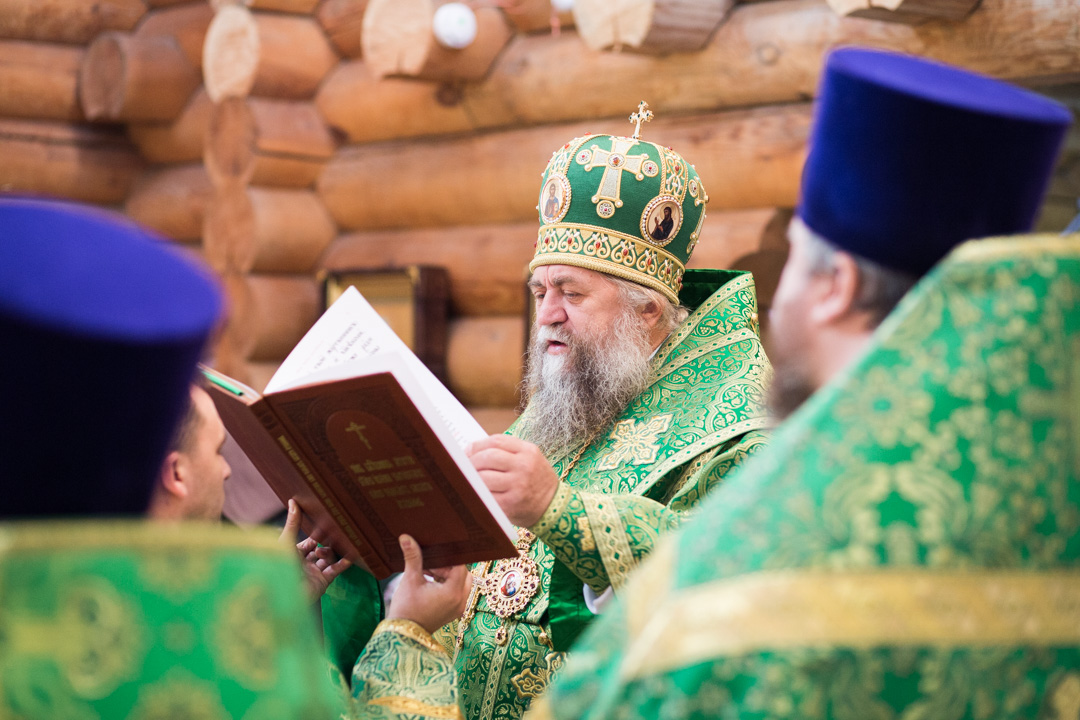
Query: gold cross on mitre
(643,114)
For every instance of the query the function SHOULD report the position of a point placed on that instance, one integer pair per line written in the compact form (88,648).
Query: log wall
(257,135)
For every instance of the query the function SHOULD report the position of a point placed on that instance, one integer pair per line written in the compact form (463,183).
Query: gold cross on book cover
(370,444)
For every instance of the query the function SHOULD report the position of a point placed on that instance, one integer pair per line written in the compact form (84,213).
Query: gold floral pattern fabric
(140,621)
(404,673)
(701,416)
(908,546)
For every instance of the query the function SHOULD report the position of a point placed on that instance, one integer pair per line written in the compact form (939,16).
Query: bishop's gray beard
(574,396)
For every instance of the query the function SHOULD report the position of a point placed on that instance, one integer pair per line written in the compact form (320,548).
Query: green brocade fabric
(136,621)
(351,609)
(909,545)
(700,417)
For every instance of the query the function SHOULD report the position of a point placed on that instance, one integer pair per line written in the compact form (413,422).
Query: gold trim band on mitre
(787,610)
(610,252)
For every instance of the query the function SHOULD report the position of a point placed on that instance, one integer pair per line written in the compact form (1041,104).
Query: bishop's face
(590,356)
(573,305)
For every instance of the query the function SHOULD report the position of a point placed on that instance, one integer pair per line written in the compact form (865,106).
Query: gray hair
(879,288)
(638,297)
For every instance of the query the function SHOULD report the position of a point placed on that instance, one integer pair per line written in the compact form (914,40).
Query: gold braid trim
(410,706)
(794,609)
(135,535)
(610,537)
(1015,247)
(411,630)
(554,511)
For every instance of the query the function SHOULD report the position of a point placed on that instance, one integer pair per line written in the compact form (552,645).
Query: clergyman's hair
(189,424)
(879,288)
(638,296)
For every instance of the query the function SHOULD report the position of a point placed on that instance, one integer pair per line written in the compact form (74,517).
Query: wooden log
(407,108)
(230,54)
(398,40)
(280,143)
(271,55)
(746,158)
(484,360)
(67,21)
(267,230)
(488,264)
(67,161)
(300,7)
(651,26)
(172,201)
(39,80)
(764,53)
(179,141)
(268,314)
(343,22)
(186,23)
(124,77)
(911,12)
(536,16)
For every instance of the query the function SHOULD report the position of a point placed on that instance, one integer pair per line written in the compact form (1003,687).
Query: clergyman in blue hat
(908,545)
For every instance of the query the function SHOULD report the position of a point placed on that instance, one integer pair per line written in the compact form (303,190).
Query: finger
(292,523)
(496,459)
(307,546)
(414,558)
(336,569)
(502,442)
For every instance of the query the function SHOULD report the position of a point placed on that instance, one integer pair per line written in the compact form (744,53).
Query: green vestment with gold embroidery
(908,546)
(700,416)
(139,621)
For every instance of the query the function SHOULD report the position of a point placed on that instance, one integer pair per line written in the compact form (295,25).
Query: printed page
(351,330)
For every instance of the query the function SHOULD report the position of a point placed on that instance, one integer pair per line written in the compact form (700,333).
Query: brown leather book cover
(365,466)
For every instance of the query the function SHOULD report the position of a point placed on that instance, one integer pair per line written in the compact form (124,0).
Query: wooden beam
(910,12)
(650,26)
(172,201)
(746,159)
(265,54)
(178,141)
(535,16)
(280,143)
(398,40)
(39,80)
(67,161)
(484,360)
(488,264)
(186,23)
(343,22)
(124,77)
(267,230)
(268,314)
(765,53)
(67,21)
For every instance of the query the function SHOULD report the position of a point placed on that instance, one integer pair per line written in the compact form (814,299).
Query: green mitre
(622,206)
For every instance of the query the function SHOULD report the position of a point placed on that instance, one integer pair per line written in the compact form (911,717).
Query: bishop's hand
(430,603)
(519,476)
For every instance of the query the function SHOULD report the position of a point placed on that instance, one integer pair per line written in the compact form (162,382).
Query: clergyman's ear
(836,291)
(172,475)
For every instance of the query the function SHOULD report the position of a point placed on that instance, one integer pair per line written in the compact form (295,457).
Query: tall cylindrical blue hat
(909,157)
(101,326)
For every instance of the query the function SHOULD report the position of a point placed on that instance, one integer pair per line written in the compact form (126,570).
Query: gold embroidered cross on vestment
(637,443)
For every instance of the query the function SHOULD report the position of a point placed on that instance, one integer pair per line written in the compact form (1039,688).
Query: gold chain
(523,545)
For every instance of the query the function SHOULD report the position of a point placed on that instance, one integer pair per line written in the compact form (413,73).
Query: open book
(370,444)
